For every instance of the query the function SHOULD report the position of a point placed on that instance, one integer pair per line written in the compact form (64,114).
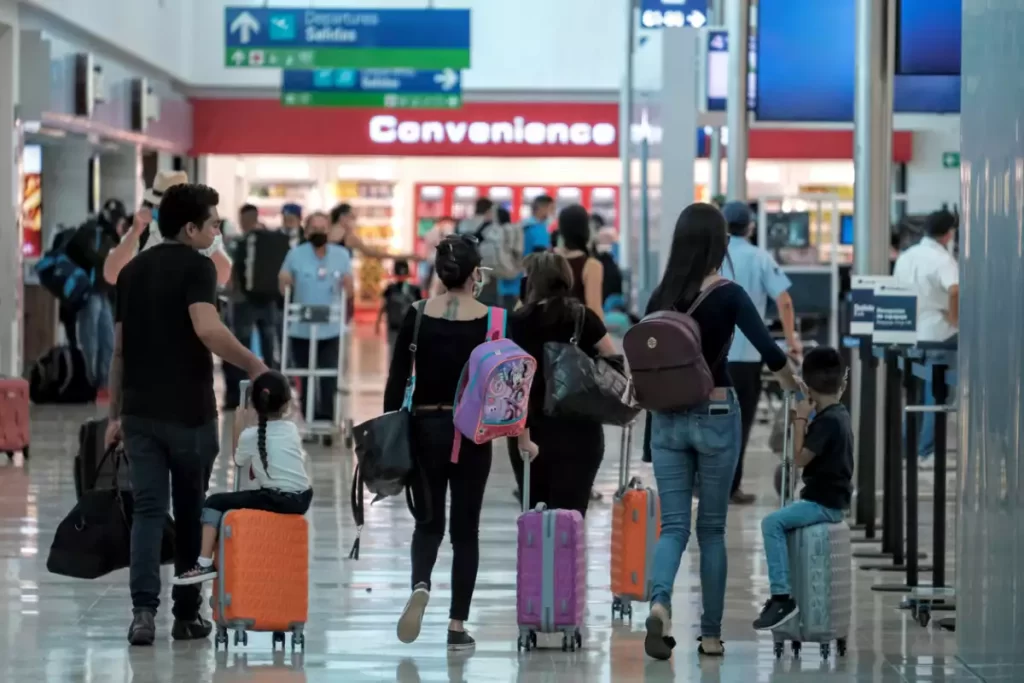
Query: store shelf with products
(372,203)
(270,196)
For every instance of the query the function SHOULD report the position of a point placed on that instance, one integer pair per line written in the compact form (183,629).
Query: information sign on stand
(862,298)
(673,13)
(390,88)
(290,38)
(895,315)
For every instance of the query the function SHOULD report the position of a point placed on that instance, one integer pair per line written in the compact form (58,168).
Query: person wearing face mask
(144,232)
(317,273)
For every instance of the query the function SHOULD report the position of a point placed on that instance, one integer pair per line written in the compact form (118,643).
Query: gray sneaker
(412,616)
(143,628)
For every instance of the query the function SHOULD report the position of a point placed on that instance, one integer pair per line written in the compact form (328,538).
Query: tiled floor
(57,629)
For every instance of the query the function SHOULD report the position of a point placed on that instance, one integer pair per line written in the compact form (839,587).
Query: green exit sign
(951,160)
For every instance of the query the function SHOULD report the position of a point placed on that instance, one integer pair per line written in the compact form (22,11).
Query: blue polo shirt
(317,282)
(535,238)
(753,269)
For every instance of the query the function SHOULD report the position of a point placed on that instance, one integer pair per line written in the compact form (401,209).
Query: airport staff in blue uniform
(756,271)
(317,273)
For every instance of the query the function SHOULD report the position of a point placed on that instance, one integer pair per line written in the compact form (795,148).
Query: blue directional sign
(673,13)
(718,70)
(393,88)
(346,38)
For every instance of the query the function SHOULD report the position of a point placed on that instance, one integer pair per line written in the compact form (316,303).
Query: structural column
(715,160)
(121,176)
(737,17)
(679,140)
(65,185)
(10,210)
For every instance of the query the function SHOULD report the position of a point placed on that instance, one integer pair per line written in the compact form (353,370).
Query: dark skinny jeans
(432,434)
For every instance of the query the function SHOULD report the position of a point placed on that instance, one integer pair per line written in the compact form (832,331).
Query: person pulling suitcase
(823,447)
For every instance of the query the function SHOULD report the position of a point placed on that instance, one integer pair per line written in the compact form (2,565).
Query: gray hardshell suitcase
(821,578)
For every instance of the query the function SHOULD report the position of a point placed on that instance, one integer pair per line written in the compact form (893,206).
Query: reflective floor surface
(58,629)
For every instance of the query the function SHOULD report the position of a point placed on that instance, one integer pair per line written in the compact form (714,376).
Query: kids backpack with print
(493,393)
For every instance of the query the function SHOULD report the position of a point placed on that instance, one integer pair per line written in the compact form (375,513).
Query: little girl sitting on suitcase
(824,449)
(273,450)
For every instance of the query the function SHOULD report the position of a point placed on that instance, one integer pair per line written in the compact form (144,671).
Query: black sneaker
(194,629)
(143,628)
(198,574)
(412,616)
(776,613)
(460,640)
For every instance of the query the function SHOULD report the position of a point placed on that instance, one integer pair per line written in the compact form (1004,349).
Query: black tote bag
(383,449)
(577,386)
(94,539)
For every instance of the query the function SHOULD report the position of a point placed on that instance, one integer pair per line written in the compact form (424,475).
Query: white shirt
(930,270)
(286,458)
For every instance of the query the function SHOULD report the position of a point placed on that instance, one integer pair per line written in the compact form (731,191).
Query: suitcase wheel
(527,641)
(796,648)
(221,639)
(241,637)
(298,640)
(780,648)
(572,641)
(841,647)
(826,650)
(277,638)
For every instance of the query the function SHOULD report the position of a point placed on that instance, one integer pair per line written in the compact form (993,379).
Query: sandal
(701,651)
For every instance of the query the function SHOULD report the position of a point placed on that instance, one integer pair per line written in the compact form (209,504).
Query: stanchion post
(940,391)
(893,520)
(910,385)
(866,430)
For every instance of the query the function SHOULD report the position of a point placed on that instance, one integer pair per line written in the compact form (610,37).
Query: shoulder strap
(578,314)
(495,323)
(704,294)
(410,383)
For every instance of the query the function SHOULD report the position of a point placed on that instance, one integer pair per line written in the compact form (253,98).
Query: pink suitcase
(551,573)
(14,416)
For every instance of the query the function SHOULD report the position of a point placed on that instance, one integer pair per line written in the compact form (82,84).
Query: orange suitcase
(262,579)
(263,576)
(636,525)
(14,419)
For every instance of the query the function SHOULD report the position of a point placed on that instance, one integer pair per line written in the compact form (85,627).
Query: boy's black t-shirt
(828,478)
(398,298)
(168,372)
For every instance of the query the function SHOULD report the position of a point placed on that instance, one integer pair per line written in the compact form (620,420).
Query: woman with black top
(587,271)
(704,440)
(570,451)
(453,324)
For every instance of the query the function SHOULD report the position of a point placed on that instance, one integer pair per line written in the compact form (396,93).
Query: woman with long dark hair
(703,440)
(587,272)
(570,451)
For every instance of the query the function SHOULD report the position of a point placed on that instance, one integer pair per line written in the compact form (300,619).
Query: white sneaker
(412,616)
(926,463)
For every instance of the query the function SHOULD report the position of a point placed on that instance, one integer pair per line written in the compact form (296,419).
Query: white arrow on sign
(238,57)
(245,25)
(447,79)
(696,19)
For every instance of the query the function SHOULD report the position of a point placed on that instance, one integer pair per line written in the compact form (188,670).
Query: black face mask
(318,239)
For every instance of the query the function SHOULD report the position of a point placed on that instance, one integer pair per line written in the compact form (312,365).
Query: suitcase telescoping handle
(627,448)
(788,459)
(525,455)
(245,393)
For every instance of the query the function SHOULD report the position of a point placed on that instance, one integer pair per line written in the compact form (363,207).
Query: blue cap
(292,209)
(737,213)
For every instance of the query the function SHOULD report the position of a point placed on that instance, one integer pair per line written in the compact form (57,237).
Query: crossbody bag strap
(410,383)
(578,314)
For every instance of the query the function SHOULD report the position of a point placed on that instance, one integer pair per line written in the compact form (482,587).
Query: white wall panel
(929,185)
(559,45)
(159,32)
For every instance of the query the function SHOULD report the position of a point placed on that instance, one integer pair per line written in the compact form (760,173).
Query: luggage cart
(319,318)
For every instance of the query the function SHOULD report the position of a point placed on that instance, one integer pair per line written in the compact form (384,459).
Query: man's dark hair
(939,223)
(184,204)
(541,202)
(401,268)
(248,208)
(824,370)
(339,212)
(483,205)
(598,220)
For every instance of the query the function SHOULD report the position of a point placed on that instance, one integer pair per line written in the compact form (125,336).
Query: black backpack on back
(259,256)
(398,303)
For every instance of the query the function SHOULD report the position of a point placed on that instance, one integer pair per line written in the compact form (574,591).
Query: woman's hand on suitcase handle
(527,448)
(113,433)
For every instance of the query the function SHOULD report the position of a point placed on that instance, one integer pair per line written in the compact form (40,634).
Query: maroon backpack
(665,358)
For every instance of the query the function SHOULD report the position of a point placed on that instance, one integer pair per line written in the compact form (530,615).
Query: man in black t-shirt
(162,398)
(825,452)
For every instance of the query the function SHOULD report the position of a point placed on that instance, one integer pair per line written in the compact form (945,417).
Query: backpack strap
(704,294)
(496,323)
(410,384)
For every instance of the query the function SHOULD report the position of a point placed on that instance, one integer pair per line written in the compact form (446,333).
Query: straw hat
(163,181)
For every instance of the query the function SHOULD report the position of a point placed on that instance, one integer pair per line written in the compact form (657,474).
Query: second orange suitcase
(636,526)
(14,418)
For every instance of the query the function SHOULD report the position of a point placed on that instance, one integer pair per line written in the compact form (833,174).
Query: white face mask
(478,283)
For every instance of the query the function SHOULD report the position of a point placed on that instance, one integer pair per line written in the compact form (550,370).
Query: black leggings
(268,500)
(563,474)
(432,435)
(746,380)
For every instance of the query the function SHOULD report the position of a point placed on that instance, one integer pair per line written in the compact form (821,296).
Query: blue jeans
(96,337)
(684,445)
(170,467)
(796,515)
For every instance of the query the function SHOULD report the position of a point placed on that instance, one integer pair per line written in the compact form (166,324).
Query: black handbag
(384,451)
(577,386)
(95,537)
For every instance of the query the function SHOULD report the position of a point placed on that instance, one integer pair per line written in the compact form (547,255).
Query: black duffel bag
(95,537)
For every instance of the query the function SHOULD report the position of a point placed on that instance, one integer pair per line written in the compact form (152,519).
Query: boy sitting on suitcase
(823,447)
(273,452)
